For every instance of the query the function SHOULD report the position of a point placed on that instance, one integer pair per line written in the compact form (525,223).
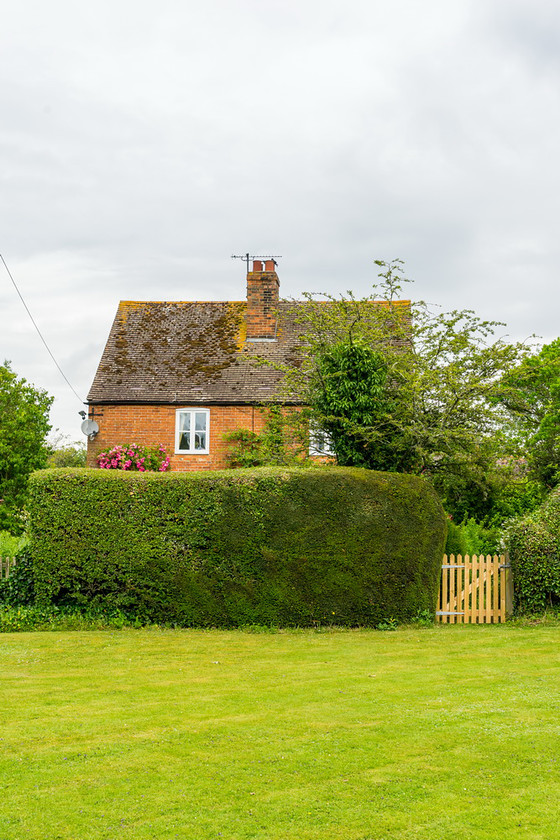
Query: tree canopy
(63,452)
(356,407)
(24,425)
(531,393)
(401,387)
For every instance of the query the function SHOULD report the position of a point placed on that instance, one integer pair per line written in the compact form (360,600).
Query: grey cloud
(142,144)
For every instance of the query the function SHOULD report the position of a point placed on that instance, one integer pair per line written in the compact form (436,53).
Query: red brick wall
(150,425)
(262,301)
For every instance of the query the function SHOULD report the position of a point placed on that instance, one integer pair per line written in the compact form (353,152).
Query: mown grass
(420,734)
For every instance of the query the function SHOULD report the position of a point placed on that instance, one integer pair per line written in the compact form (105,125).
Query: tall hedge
(268,546)
(533,543)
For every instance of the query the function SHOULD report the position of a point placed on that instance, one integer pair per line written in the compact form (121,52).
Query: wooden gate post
(508,586)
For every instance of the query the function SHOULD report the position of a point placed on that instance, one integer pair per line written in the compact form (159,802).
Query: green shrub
(10,545)
(19,588)
(534,547)
(283,441)
(472,538)
(244,448)
(65,453)
(517,497)
(268,546)
(15,619)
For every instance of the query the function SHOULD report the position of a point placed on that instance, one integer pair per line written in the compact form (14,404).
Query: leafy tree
(357,405)
(24,424)
(64,452)
(421,398)
(531,392)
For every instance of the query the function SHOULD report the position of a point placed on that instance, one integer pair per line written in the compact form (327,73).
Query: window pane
(320,442)
(192,431)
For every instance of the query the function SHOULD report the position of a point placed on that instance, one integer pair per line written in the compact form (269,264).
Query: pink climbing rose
(134,457)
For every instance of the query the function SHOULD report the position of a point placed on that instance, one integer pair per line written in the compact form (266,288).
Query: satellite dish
(89,428)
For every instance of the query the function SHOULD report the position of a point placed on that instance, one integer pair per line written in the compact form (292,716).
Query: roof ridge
(181,301)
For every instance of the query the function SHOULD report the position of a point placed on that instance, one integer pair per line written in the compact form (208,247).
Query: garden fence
(475,590)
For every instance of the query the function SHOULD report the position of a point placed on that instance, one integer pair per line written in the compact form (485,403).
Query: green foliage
(531,392)
(424,618)
(18,618)
(509,496)
(470,537)
(245,448)
(66,453)
(388,624)
(515,497)
(534,548)
(354,403)
(19,588)
(271,546)
(434,409)
(24,424)
(10,545)
(505,493)
(282,441)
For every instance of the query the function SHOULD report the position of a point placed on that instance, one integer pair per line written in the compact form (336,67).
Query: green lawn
(431,734)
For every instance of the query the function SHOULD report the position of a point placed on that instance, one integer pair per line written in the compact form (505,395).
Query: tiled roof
(190,353)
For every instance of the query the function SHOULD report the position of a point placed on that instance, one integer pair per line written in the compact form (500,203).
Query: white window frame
(320,445)
(179,430)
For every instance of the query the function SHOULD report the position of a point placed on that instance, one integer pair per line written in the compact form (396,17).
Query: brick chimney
(262,300)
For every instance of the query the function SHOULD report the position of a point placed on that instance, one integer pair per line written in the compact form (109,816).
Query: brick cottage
(183,374)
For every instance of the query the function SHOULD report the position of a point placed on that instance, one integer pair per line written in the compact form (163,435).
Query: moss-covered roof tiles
(190,352)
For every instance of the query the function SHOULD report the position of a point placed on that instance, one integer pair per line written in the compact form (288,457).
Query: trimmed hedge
(272,545)
(534,548)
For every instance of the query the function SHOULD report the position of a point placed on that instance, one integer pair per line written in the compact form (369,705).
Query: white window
(320,443)
(192,431)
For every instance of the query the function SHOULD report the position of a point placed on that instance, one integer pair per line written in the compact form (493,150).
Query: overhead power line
(39,333)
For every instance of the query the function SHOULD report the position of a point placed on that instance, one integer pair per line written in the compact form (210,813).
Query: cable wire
(39,331)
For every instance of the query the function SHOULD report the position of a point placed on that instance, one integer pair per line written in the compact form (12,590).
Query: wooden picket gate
(475,590)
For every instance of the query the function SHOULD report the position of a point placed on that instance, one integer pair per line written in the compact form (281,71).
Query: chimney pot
(257,265)
(269,265)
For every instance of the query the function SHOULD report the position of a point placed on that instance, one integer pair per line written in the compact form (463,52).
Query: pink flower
(132,456)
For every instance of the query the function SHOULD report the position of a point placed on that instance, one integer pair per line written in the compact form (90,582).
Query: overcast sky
(143,143)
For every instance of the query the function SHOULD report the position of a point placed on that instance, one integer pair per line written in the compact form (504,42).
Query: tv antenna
(248,257)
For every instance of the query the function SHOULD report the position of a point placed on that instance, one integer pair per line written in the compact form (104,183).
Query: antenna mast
(248,257)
